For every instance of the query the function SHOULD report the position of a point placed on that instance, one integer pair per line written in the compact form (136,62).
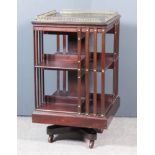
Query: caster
(99,130)
(91,144)
(50,138)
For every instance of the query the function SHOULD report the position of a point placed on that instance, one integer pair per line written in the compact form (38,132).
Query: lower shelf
(58,107)
(61,102)
(60,114)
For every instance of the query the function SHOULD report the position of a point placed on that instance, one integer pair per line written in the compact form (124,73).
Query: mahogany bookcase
(74,107)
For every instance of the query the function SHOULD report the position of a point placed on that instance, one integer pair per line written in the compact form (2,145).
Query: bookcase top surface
(76,17)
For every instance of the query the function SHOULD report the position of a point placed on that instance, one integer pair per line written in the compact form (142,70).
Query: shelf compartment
(109,101)
(109,60)
(60,102)
(61,61)
(64,94)
(58,107)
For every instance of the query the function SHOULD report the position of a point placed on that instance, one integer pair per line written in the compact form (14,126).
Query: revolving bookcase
(73,106)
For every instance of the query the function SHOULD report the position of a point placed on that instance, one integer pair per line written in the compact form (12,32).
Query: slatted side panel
(87,70)
(79,69)
(38,73)
(95,73)
(103,74)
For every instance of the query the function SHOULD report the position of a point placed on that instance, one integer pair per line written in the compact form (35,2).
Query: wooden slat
(87,71)
(35,47)
(118,29)
(34,34)
(42,70)
(64,44)
(39,85)
(116,62)
(79,69)
(35,69)
(58,43)
(36,88)
(117,69)
(114,69)
(95,73)
(58,72)
(64,72)
(117,65)
(103,74)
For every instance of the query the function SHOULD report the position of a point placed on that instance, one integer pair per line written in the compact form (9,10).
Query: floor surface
(119,139)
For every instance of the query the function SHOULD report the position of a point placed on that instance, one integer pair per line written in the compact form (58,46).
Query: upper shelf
(60,61)
(69,61)
(76,17)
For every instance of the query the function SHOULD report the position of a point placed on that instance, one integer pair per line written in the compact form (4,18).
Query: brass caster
(50,138)
(91,144)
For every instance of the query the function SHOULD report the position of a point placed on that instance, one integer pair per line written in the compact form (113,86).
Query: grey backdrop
(27,11)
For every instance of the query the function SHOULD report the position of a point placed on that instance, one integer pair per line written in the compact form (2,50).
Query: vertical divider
(103,74)
(87,70)
(79,69)
(58,72)
(64,72)
(95,72)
